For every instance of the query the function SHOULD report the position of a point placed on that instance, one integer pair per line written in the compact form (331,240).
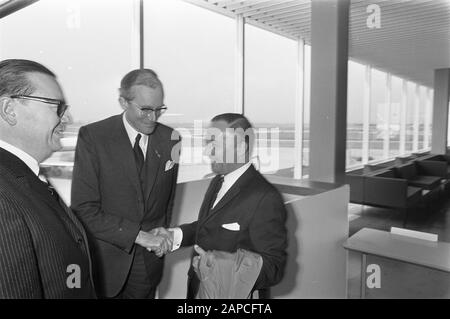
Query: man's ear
(123,103)
(7,112)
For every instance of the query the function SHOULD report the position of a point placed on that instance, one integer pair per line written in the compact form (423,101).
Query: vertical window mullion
(299,110)
(366,114)
(403,118)
(416,119)
(387,115)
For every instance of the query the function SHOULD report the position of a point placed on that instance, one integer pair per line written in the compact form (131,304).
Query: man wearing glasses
(123,187)
(43,247)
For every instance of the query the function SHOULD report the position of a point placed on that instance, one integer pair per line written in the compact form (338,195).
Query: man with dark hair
(43,247)
(123,186)
(241,209)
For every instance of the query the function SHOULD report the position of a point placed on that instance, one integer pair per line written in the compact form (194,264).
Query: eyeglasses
(61,105)
(148,111)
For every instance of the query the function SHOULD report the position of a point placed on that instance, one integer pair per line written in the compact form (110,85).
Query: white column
(239,65)
(387,115)
(416,118)
(366,114)
(299,110)
(403,118)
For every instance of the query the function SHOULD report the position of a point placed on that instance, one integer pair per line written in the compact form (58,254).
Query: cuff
(177,237)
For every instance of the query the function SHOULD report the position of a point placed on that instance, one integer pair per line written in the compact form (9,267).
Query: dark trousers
(192,286)
(138,284)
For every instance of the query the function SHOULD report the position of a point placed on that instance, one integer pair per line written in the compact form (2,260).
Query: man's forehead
(146,91)
(45,85)
(221,128)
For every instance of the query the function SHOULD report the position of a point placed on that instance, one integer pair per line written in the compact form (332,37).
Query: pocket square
(169,164)
(232,226)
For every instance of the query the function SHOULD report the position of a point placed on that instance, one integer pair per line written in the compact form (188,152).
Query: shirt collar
(132,133)
(30,161)
(232,177)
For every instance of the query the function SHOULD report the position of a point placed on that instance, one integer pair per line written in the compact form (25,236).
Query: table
(434,255)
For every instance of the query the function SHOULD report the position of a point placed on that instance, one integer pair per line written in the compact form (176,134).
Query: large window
(192,50)
(270,79)
(88,47)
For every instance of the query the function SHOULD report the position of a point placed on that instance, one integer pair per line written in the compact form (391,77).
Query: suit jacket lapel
(152,162)
(231,194)
(39,189)
(123,150)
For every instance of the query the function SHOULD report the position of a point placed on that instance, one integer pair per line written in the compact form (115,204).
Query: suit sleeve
(176,159)
(269,236)
(19,270)
(189,232)
(86,199)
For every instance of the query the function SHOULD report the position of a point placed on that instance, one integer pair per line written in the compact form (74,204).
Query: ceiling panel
(413,40)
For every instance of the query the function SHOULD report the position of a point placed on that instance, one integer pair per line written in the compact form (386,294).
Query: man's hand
(168,235)
(161,244)
(196,260)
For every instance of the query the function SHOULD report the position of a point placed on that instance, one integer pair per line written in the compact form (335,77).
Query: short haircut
(238,121)
(146,77)
(14,79)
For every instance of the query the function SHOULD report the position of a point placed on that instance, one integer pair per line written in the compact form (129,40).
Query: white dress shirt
(30,161)
(132,133)
(228,181)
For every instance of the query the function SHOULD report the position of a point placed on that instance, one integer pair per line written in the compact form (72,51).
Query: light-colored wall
(317,227)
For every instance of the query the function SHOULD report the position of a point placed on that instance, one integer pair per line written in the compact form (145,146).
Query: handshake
(159,240)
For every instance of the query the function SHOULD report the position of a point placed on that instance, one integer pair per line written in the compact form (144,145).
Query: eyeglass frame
(149,110)
(61,105)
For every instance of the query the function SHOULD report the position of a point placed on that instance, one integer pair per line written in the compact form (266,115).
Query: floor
(400,280)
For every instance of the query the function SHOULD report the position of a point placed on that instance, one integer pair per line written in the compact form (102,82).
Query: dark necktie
(138,155)
(216,185)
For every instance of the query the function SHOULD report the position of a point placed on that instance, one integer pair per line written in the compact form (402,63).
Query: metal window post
(403,118)
(416,118)
(387,115)
(299,110)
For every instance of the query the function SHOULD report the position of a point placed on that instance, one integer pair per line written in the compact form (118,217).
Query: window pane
(355,104)
(410,100)
(395,119)
(422,109)
(192,50)
(270,78)
(378,116)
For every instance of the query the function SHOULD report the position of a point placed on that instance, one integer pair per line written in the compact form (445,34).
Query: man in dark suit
(123,186)
(241,209)
(43,247)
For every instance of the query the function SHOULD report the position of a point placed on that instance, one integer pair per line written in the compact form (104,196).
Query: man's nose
(66,118)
